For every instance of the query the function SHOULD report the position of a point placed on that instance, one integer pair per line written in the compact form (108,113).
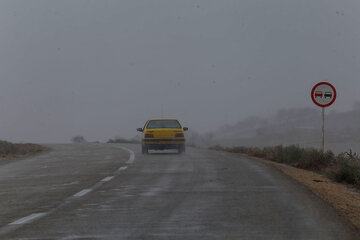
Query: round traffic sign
(323,94)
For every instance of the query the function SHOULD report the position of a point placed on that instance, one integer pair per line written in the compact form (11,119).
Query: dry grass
(344,167)
(10,150)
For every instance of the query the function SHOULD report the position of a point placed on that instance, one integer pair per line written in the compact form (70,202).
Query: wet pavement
(103,191)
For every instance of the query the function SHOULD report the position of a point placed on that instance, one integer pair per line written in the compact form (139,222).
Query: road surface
(105,191)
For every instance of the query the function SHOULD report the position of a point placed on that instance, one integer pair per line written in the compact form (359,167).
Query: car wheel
(144,150)
(181,149)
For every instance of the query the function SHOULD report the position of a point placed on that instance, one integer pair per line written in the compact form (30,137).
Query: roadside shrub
(217,148)
(314,159)
(342,168)
(7,147)
(293,154)
(26,148)
(237,149)
(271,154)
(306,158)
(347,169)
(257,152)
(230,149)
(275,154)
(78,139)
(122,140)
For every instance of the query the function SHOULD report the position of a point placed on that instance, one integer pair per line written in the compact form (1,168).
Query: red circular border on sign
(313,90)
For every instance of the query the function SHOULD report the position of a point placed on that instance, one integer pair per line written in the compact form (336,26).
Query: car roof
(163,119)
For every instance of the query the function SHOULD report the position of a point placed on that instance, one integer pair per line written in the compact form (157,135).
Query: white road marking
(27,219)
(107,179)
(71,183)
(82,192)
(132,155)
(36,216)
(131,158)
(122,168)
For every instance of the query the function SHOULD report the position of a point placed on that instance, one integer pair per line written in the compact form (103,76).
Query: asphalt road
(102,191)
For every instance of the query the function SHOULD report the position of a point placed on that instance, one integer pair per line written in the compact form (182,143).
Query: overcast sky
(102,68)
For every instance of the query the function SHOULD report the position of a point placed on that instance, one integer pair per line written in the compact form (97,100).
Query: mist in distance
(102,68)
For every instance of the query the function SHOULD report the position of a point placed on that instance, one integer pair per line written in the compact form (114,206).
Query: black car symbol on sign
(328,94)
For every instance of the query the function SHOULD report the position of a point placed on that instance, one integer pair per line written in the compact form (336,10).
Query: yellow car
(162,133)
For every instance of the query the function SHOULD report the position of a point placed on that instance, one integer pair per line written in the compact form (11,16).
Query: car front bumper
(160,144)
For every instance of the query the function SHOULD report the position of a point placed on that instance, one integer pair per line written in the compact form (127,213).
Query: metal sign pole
(323,130)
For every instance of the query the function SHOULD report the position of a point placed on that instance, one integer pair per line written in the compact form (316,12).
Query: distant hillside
(295,126)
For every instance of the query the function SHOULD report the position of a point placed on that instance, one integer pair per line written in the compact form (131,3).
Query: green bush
(314,159)
(7,147)
(347,169)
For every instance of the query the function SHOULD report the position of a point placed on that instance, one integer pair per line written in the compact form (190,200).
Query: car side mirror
(185,128)
(139,130)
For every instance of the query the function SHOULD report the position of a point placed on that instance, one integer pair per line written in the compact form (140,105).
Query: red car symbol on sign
(318,94)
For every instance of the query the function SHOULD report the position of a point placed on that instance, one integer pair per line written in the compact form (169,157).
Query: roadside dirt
(344,198)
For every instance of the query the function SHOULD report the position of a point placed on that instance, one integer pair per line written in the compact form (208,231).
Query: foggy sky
(102,68)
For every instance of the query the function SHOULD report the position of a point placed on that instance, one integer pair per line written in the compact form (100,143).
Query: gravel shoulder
(342,197)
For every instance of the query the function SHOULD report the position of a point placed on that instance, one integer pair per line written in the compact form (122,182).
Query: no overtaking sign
(323,94)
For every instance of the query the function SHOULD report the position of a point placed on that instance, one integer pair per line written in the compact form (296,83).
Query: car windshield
(163,124)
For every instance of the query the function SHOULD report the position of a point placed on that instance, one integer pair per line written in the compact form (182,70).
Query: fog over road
(99,191)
